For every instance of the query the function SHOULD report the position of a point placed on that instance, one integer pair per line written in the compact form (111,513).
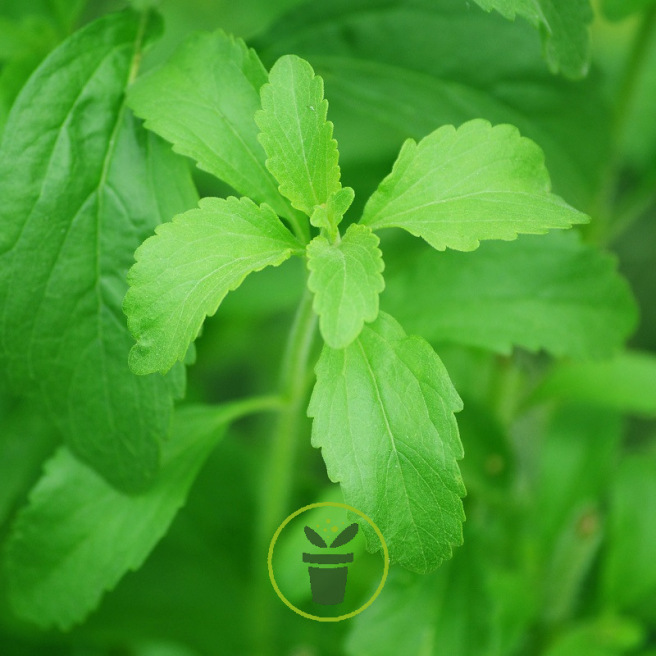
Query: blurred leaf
(63,551)
(203,100)
(27,437)
(626,383)
(64,334)
(629,575)
(577,456)
(638,137)
(186,269)
(618,9)
(563,24)
(383,417)
(604,636)
(399,68)
(301,152)
(346,278)
(489,462)
(20,39)
(447,612)
(194,587)
(552,292)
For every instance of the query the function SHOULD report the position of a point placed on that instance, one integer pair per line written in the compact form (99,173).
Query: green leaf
(629,570)
(329,215)
(459,186)
(183,273)
(618,9)
(384,86)
(576,458)
(606,635)
(27,438)
(383,417)
(203,100)
(82,185)
(346,278)
(512,8)
(449,611)
(78,536)
(563,24)
(298,140)
(550,292)
(626,383)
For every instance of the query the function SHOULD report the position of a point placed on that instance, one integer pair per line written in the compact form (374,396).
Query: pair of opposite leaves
(383,403)
(453,188)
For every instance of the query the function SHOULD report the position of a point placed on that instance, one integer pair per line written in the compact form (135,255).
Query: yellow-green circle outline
(288,603)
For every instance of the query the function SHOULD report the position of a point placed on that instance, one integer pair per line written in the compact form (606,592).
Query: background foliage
(549,339)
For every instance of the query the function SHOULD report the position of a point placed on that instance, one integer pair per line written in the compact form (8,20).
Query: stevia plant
(110,265)
(383,404)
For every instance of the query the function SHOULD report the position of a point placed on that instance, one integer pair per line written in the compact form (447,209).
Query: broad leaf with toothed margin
(457,187)
(82,184)
(549,292)
(78,535)
(298,140)
(185,270)
(563,25)
(383,417)
(346,279)
(203,100)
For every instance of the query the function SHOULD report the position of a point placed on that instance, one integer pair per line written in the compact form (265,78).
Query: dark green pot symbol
(328,571)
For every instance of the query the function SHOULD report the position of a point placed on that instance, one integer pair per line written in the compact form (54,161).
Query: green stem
(293,388)
(234,410)
(279,474)
(632,71)
(505,391)
(604,205)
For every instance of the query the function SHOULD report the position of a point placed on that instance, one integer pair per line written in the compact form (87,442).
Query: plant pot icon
(328,571)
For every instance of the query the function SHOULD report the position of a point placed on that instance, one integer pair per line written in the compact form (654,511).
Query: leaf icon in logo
(315,538)
(345,536)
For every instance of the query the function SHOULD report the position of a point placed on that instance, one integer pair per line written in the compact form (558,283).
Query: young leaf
(346,280)
(384,86)
(345,536)
(564,27)
(67,548)
(383,417)
(298,140)
(82,185)
(203,100)
(459,186)
(183,273)
(314,537)
(329,215)
(550,292)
